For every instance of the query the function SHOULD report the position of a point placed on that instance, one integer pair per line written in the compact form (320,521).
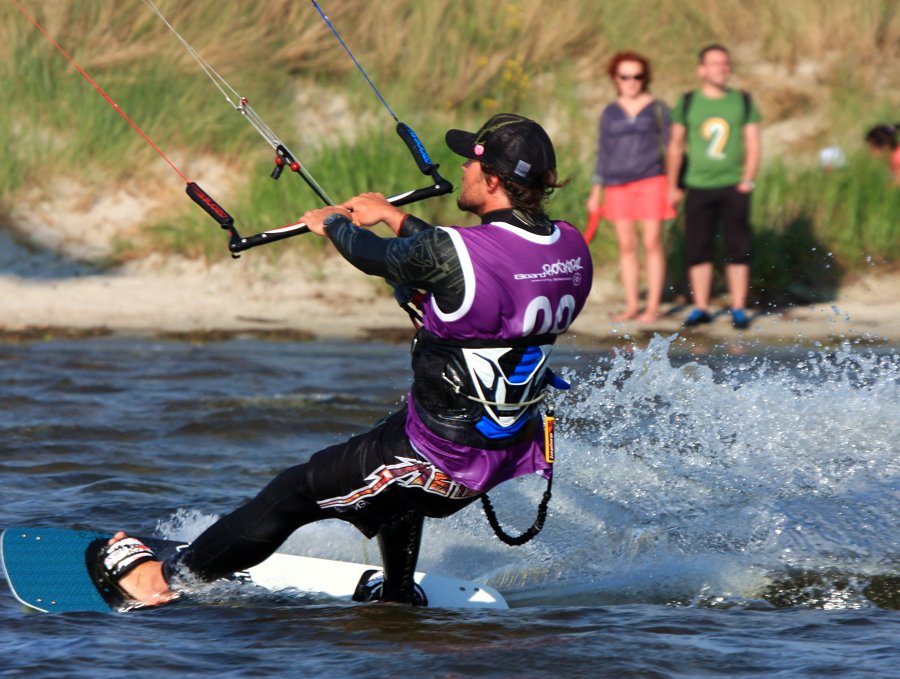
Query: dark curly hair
(531,200)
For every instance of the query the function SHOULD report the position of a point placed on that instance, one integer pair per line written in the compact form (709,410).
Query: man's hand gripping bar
(236,242)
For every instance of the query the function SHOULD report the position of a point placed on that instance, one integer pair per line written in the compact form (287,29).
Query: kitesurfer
(496,297)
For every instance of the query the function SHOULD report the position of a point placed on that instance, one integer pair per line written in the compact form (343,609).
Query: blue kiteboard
(52,570)
(49,569)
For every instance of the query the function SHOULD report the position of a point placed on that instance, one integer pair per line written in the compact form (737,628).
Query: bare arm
(595,198)
(752,152)
(674,158)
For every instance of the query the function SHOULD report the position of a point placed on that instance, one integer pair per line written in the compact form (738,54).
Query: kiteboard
(49,570)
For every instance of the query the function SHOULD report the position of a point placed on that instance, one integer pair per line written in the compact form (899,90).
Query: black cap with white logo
(509,143)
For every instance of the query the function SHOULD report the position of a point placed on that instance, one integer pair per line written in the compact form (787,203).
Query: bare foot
(626,315)
(648,317)
(146,582)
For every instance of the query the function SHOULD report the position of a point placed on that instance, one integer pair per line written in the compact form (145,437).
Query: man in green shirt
(720,129)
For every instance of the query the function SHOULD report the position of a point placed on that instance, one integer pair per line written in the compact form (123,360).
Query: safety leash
(528,535)
(538,525)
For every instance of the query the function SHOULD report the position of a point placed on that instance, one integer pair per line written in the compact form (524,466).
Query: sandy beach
(48,290)
(328,300)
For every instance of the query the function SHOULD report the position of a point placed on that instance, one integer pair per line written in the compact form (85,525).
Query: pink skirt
(644,199)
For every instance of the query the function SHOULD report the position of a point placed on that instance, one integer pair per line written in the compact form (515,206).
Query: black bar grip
(212,208)
(440,187)
(241,243)
(416,148)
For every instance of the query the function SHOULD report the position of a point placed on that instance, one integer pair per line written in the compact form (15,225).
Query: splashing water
(770,482)
(698,483)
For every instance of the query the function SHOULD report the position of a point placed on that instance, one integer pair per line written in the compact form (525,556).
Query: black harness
(466,390)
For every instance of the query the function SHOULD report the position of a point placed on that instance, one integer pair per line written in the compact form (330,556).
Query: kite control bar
(238,243)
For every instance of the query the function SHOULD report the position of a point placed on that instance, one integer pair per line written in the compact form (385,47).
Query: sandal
(113,562)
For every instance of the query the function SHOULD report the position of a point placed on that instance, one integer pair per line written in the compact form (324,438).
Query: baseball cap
(510,143)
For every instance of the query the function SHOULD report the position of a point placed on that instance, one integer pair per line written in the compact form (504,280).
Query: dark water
(712,516)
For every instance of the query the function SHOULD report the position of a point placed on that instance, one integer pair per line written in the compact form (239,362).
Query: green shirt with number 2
(715,138)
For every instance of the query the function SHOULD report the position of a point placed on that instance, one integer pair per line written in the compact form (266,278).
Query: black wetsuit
(376,481)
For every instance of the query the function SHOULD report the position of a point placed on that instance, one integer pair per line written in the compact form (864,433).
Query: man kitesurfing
(493,299)
(496,297)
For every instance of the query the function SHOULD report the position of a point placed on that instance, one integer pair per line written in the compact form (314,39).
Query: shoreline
(192,300)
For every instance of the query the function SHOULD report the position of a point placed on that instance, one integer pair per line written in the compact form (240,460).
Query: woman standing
(630,180)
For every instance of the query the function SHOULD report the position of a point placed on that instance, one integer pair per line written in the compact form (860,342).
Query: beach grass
(822,72)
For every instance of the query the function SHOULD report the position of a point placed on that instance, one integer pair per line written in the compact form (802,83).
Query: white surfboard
(338,579)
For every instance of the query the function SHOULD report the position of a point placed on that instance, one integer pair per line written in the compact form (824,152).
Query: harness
(484,393)
(481,392)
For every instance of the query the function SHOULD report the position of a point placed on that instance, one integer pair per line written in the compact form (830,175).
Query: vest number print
(715,131)
(553,322)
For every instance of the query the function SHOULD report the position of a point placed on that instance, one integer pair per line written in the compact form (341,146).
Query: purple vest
(517,285)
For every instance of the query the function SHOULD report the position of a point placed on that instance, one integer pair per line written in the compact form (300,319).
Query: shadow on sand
(24,260)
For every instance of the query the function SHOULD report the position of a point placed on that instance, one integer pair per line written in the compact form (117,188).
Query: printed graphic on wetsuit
(407,472)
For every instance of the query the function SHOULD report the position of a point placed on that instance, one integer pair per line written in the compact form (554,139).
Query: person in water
(496,297)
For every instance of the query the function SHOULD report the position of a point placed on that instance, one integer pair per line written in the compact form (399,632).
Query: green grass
(446,65)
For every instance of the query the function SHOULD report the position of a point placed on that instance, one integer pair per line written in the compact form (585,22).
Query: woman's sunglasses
(639,76)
